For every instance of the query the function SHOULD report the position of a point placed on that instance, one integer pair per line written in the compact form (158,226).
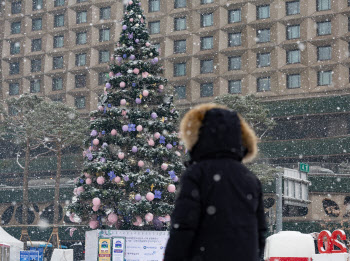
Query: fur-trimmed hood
(211,129)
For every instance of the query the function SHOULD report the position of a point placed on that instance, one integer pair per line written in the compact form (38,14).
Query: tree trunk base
(25,237)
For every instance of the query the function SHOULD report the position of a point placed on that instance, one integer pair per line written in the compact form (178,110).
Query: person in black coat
(219,212)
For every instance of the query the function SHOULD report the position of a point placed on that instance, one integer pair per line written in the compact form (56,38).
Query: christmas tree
(133,158)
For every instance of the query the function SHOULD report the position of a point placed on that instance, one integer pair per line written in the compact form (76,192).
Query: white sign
(118,248)
(140,245)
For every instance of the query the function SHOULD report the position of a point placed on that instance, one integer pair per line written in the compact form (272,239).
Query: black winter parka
(219,213)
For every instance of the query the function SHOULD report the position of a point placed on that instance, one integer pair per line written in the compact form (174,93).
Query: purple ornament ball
(154,115)
(137,41)
(132,57)
(169,146)
(125,128)
(126,178)
(108,85)
(176,179)
(119,59)
(93,133)
(138,100)
(137,197)
(155,60)
(124,27)
(134,149)
(140,4)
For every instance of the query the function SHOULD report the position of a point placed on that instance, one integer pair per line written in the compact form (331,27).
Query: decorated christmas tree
(133,159)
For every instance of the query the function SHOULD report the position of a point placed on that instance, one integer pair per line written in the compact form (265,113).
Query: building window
(179,3)
(324,78)
(13,111)
(15,48)
(37,5)
(180,92)
(207,90)
(157,46)
(59,3)
(323,5)
(103,56)
(235,86)
(35,86)
(207,20)
(105,35)
(263,12)
(80,80)
(16,28)
(207,42)
(154,27)
(324,28)
(234,63)
(14,88)
(180,46)
(35,65)
(102,78)
(180,24)
(293,32)
(80,59)
(59,20)
(207,66)
(293,56)
(81,17)
(16,7)
(57,84)
(324,53)
(80,102)
(234,16)
(81,38)
(263,59)
(153,6)
(263,35)
(105,13)
(234,39)
(37,24)
(36,45)
(57,62)
(293,7)
(14,68)
(263,84)
(293,81)
(203,2)
(179,69)
(58,41)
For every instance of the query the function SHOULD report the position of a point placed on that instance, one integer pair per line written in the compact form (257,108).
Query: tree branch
(17,160)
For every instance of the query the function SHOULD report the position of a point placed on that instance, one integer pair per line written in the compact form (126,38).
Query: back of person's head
(212,129)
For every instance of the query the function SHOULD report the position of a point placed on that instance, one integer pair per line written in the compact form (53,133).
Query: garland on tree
(133,158)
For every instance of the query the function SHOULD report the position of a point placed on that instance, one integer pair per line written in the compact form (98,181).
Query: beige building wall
(249,49)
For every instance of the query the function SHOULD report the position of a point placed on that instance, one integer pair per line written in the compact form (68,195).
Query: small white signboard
(118,249)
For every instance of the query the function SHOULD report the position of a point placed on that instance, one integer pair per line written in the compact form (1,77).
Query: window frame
(291,61)
(319,29)
(102,13)
(14,66)
(230,68)
(268,78)
(56,80)
(151,28)
(16,30)
(230,42)
(78,60)
(102,34)
(320,3)
(289,81)
(176,47)
(16,84)
(76,101)
(33,86)
(55,41)
(319,52)
(36,42)
(152,9)
(232,11)
(258,60)
(176,24)
(207,84)
(202,40)
(230,87)
(35,65)
(177,96)
(101,55)
(258,12)
(81,17)
(102,79)
(289,31)
(319,78)
(57,20)
(176,70)
(35,5)
(57,62)
(292,2)
(34,24)
(176,6)
(59,1)
(14,47)
(259,32)
(77,38)
(14,7)
(202,63)
(202,19)
(80,81)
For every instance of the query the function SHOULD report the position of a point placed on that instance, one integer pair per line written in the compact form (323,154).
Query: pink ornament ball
(131,19)
(151,143)
(125,128)
(122,102)
(75,191)
(130,2)
(111,74)
(87,175)
(113,218)
(100,108)
(117,179)
(136,71)
(114,132)
(148,44)
(95,208)
(139,128)
(80,190)
(161,87)
(93,224)
(167,217)
(138,221)
(178,153)
(164,166)
(122,84)
(88,181)
(95,142)
(145,74)
(71,218)
(140,164)
(145,93)
(96,201)
(171,188)
(149,217)
(156,135)
(149,196)
(100,180)
(121,155)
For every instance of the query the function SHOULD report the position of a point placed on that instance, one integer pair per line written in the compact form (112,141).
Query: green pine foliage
(133,150)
